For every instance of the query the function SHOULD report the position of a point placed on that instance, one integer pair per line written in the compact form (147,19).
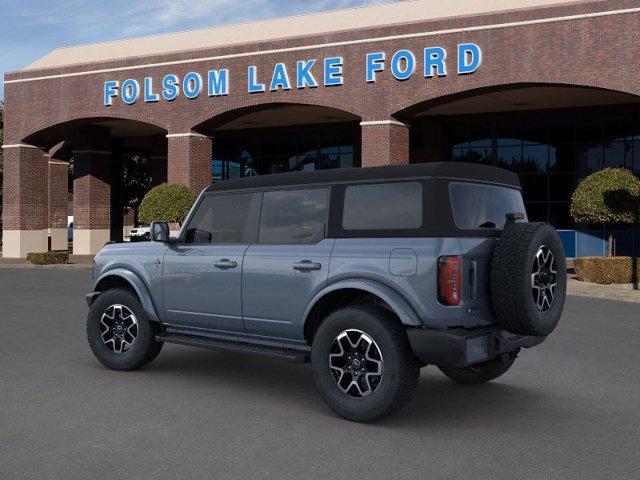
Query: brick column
(91,200)
(91,190)
(58,190)
(189,160)
(158,160)
(384,143)
(24,201)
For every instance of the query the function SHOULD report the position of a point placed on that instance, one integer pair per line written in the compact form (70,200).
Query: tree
(136,182)
(609,196)
(167,202)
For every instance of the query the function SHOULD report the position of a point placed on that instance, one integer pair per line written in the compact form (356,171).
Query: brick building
(547,88)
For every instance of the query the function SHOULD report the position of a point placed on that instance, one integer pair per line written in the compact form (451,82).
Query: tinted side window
(483,206)
(220,219)
(384,206)
(294,216)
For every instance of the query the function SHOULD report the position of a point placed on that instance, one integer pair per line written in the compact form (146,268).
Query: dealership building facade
(547,88)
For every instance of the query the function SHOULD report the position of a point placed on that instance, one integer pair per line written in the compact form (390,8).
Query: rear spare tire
(529,278)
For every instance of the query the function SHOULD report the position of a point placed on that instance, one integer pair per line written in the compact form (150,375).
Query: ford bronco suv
(369,274)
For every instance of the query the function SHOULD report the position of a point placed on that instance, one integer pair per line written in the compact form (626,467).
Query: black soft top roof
(451,170)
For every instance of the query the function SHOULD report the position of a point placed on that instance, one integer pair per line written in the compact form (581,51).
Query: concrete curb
(621,293)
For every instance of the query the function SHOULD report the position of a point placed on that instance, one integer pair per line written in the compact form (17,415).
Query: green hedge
(607,270)
(167,202)
(48,258)
(609,195)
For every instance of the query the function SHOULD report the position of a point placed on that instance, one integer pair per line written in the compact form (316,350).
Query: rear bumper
(460,347)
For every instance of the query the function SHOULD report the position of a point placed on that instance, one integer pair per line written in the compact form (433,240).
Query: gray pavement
(568,409)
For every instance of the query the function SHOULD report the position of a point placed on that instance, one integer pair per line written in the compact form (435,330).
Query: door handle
(225,264)
(306,266)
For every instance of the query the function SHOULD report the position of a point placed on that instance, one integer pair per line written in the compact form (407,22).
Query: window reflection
(550,151)
(259,152)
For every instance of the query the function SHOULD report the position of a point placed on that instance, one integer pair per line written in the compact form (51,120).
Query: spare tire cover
(529,278)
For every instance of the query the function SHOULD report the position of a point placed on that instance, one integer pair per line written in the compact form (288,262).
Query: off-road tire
(481,373)
(511,279)
(401,370)
(145,348)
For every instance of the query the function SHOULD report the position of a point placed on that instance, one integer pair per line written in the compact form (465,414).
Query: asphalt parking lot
(568,409)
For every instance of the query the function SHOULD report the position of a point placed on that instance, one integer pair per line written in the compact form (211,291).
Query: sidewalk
(622,292)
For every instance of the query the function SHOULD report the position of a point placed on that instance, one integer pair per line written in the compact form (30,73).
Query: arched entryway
(552,136)
(102,165)
(277,138)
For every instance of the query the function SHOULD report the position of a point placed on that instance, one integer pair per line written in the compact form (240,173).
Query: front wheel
(481,373)
(362,363)
(119,333)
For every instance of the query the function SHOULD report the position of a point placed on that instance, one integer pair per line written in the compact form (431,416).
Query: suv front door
(290,262)
(202,273)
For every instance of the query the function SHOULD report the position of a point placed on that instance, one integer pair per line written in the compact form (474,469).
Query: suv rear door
(202,274)
(289,263)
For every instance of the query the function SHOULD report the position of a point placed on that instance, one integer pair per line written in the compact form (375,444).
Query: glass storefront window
(510,157)
(551,151)
(535,158)
(259,152)
(619,153)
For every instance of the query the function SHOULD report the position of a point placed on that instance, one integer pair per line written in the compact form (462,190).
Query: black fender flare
(136,284)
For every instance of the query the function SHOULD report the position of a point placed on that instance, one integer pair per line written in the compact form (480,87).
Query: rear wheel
(481,373)
(119,333)
(362,363)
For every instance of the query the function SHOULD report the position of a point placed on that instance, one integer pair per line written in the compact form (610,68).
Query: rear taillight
(449,284)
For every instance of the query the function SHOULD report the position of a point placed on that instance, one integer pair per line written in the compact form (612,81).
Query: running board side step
(287,354)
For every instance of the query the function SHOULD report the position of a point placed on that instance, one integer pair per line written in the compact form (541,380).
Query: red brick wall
(386,144)
(92,190)
(58,188)
(189,162)
(25,192)
(595,52)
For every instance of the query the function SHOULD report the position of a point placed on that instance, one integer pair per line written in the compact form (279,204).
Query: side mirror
(160,232)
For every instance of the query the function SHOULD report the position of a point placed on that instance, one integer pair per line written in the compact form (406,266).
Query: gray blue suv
(368,274)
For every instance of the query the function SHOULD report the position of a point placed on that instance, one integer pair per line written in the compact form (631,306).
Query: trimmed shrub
(607,270)
(609,195)
(167,203)
(48,258)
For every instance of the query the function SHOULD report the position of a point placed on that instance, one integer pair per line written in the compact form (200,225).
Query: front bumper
(461,347)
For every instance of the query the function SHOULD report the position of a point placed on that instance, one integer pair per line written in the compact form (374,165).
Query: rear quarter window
(477,206)
(383,206)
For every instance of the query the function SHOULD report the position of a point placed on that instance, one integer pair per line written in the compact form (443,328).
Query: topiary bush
(607,270)
(607,196)
(167,203)
(48,258)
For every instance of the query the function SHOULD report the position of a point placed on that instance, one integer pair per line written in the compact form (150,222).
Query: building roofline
(310,24)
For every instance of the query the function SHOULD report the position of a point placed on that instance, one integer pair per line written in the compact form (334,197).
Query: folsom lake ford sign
(311,73)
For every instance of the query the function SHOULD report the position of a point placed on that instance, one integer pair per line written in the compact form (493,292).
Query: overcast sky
(31,28)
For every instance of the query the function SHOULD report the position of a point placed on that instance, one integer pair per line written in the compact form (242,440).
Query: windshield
(477,206)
